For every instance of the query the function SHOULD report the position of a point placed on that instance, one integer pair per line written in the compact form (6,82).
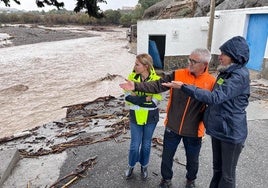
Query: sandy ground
(37,80)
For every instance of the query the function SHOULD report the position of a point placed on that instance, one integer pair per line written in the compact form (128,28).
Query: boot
(190,184)
(144,172)
(165,183)
(129,172)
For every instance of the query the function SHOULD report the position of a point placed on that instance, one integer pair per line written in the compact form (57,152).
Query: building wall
(264,71)
(229,23)
(185,34)
(181,34)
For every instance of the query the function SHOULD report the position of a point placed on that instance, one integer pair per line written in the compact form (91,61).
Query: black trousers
(225,157)
(192,147)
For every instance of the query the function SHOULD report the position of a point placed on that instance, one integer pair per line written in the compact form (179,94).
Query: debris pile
(102,119)
(258,91)
(79,172)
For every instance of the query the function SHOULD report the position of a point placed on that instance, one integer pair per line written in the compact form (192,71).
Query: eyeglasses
(193,61)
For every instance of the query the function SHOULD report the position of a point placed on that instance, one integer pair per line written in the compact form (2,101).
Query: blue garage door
(257,38)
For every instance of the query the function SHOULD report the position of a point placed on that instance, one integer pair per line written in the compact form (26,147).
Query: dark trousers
(225,157)
(192,147)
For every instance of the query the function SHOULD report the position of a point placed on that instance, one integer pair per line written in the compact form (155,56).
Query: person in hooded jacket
(225,117)
(143,115)
(184,115)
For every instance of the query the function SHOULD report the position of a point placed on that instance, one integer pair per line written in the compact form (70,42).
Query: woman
(143,115)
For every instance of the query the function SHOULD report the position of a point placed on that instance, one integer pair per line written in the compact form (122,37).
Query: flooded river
(37,80)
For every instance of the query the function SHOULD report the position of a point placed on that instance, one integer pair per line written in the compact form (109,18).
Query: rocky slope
(195,8)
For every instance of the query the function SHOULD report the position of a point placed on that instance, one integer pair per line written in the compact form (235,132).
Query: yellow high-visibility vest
(141,113)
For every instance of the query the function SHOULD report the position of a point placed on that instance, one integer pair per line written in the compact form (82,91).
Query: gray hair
(203,53)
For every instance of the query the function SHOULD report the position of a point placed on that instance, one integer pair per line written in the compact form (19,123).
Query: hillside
(167,9)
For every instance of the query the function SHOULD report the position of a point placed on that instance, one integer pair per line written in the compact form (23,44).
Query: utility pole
(211,24)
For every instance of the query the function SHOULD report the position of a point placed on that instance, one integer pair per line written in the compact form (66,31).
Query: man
(184,115)
(225,118)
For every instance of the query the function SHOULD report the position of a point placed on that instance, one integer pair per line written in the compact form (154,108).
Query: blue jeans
(140,145)
(225,157)
(192,147)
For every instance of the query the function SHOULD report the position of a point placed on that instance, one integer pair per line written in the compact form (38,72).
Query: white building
(176,38)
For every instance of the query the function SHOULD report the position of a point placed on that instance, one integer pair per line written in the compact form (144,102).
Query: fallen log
(15,136)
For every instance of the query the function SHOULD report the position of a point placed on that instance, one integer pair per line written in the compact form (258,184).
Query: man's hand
(128,85)
(173,84)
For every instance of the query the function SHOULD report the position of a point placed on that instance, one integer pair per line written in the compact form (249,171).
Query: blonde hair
(146,59)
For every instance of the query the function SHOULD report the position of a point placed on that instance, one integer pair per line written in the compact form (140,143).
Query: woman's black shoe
(129,172)
(144,172)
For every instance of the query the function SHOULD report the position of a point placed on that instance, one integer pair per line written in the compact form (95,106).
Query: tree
(112,16)
(91,7)
(126,20)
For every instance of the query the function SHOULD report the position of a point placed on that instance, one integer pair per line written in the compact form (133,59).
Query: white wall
(226,27)
(192,32)
(182,35)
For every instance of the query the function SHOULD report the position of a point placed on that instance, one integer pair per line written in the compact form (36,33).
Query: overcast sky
(70,4)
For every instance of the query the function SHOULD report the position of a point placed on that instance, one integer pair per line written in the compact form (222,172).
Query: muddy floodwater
(37,80)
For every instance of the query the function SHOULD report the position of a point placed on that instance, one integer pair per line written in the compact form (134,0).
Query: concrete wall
(225,27)
(185,34)
(181,34)
(264,71)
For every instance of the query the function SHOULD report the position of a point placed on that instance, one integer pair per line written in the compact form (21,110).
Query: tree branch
(91,6)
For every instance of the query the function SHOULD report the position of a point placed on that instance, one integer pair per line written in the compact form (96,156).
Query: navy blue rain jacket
(225,117)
